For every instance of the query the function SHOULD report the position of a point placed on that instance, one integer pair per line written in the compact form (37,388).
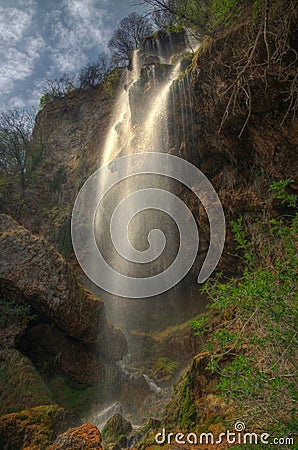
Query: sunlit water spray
(141,124)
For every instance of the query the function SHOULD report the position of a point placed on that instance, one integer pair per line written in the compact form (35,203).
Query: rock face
(239,165)
(65,325)
(84,437)
(34,428)
(73,131)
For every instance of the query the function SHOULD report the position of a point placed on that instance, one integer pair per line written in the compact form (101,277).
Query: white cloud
(18,64)
(40,39)
(14,23)
(75,29)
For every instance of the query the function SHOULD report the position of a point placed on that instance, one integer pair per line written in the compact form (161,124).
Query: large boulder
(21,386)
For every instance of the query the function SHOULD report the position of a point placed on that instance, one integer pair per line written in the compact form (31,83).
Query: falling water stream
(143,122)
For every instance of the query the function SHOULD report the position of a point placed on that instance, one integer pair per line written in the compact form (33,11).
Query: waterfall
(153,112)
(142,124)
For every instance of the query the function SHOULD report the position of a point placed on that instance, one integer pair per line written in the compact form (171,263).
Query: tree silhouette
(129,36)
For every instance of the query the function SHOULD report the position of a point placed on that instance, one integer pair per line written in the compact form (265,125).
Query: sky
(42,39)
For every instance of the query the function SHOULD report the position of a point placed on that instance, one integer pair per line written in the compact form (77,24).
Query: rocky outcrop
(40,277)
(57,324)
(72,131)
(84,437)
(34,428)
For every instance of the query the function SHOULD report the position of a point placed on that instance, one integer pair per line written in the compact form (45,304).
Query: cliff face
(72,130)
(245,136)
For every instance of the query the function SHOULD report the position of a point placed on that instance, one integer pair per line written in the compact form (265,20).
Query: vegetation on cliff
(250,354)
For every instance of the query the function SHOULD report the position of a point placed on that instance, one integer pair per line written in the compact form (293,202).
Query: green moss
(187,409)
(13,313)
(21,385)
(73,396)
(164,368)
(111,81)
(35,427)
(116,430)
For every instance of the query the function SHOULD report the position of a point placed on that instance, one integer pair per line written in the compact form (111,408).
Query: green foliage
(243,243)
(199,325)
(11,312)
(164,368)
(260,337)
(111,82)
(187,409)
(224,10)
(44,99)
(278,189)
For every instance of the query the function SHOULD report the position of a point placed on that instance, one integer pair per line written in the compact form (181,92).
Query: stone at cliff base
(84,437)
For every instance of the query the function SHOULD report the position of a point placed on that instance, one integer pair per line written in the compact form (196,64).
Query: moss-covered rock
(21,386)
(196,403)
(35,428)
(117,430)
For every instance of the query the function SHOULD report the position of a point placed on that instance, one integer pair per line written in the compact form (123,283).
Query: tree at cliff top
(19,157)
(129,36)
(59,87)
(95,72)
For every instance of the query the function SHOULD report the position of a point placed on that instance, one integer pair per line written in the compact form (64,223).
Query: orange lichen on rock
(84,437)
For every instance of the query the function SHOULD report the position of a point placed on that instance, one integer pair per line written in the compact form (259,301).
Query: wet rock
(35,428)
(84,437)
(134,391)
(116,430)
(145,433)
(195,400)
(107,413)
(165,44)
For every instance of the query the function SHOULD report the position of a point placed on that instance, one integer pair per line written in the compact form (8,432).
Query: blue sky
(41,39)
